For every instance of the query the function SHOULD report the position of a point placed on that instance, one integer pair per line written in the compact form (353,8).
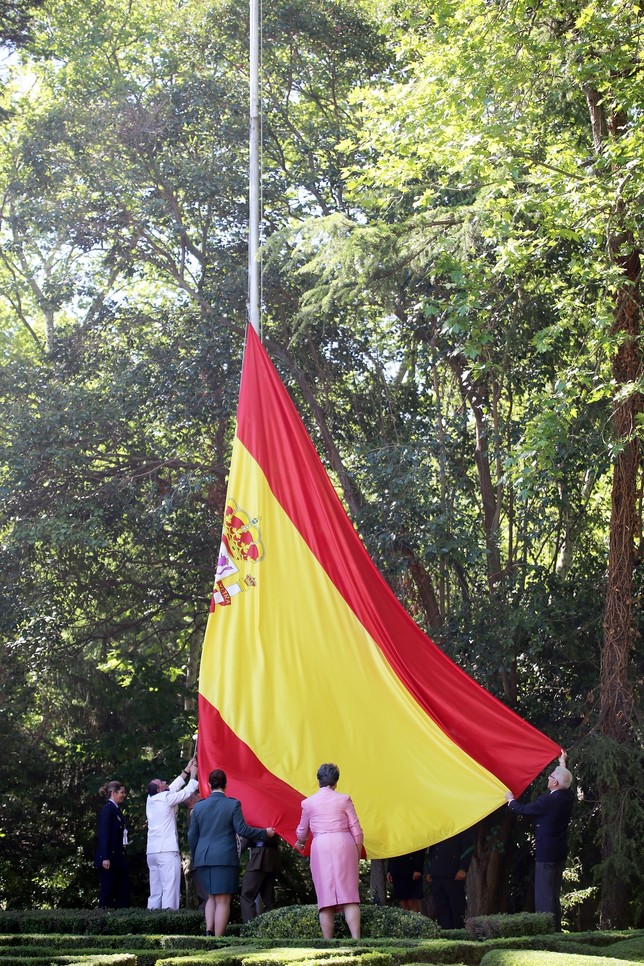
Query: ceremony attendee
(215,823)
(331,819)
(405,873)
(110,858)
(258,880)
(164,859)
(551,812)
(448,862)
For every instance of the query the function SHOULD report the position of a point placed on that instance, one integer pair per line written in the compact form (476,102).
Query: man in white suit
(164,860)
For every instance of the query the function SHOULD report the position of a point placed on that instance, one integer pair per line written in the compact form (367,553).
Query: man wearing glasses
(164,859)
(551,812)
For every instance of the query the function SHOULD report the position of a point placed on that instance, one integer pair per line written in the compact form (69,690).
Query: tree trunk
(377,883)
(569,523)
(424,585)
(616,693)
(491,499)
(489,492)
(616,713)
(487,879)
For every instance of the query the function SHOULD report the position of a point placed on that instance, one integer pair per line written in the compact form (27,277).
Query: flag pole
(254,173)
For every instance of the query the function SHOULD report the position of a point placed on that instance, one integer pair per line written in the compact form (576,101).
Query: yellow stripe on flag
(307,660)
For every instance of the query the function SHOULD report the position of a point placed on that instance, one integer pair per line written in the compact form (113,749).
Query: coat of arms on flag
(241,549)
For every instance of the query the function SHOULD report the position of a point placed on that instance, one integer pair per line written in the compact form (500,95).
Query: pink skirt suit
(331,819)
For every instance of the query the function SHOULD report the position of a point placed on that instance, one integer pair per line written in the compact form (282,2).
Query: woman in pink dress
(336,848)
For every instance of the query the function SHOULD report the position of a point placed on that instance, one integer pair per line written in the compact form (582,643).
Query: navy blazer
(551,812)
(111,826)
(213,825)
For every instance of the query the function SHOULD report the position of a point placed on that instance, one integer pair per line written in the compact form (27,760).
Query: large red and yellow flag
(309,657)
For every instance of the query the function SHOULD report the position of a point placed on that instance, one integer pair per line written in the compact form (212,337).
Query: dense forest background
(453,213)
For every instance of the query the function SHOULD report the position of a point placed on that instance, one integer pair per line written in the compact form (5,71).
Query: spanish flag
(309,658)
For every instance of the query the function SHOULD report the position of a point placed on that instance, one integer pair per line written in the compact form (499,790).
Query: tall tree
(611,77)
(476,185)
(123,257)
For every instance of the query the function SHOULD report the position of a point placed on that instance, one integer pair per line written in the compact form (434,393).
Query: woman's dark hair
(217,779)
(110,788)
(328,774)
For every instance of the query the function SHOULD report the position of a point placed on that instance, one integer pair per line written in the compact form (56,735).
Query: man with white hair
(164,860)
(551,812)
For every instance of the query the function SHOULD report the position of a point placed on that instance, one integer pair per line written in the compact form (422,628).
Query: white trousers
(165,880)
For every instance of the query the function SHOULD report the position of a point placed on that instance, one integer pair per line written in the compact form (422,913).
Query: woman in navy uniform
(110,858)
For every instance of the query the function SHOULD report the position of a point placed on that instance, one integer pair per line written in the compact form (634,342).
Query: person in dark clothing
(551,812)
(448,863)
(258,880)
(405,873)
(110,858)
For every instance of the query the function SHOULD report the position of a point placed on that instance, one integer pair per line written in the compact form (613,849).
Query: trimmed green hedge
(53,941)
(623,945)
(302,956)
(302,922)
(524,957)
(101,921)
(147,956)
(325,957)
(517,924)
(632,949)
(109,945)
(93,960)
(118,959)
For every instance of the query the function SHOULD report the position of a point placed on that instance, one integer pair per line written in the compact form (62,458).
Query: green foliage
(303,922)
(630,949)
(15,16)
(519,924)
(481,216)
(611,772)
(100,621)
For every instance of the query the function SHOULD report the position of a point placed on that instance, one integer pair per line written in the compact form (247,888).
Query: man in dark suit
(551,812)
(258,879)
(110,858)
(448,862)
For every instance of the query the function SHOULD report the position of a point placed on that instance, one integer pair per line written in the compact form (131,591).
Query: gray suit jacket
(213,825)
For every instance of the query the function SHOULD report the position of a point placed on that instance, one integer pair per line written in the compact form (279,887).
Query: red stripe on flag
(266,800)
(270,428)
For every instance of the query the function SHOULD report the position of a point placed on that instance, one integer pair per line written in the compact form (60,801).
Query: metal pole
(254,173)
